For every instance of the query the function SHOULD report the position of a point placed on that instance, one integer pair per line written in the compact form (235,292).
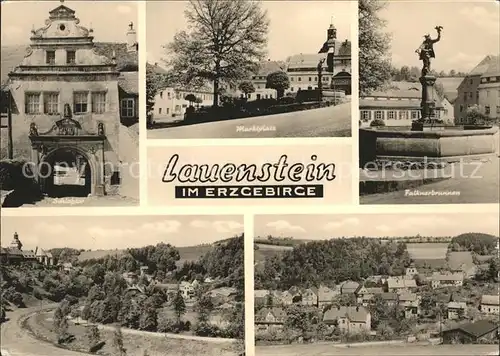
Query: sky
(118,232)
(108,19)
(295,26)
(319,227)
(470,31)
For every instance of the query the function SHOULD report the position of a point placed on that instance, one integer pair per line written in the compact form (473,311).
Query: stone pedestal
(428,103)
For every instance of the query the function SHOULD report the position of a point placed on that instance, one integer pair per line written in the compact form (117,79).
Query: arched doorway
(65,172)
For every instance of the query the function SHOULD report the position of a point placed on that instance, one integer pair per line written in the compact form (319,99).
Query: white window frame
(67,57)
(365,115)
(129,109)
(403,115)
(98,107)
(76,94)
(379,113)
(391,115)
(50,108)
(32,108)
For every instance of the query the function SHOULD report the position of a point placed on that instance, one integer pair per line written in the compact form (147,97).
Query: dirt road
(328,349)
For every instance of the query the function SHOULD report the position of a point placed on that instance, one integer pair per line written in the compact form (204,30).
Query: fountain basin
(448,145)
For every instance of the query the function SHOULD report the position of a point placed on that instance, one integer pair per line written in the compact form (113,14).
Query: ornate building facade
(69,98)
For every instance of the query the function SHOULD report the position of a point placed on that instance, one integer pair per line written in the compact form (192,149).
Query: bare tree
(224,43)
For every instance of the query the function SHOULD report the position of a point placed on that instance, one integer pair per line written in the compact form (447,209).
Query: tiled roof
(349,287)
(389,104)
(278,313)
(389,296)
(374,290)
(156,68)
(448,277)
(394,282)
(14,251)
(267,67)
(356,314)
(410,297)
(478,328)
(129,82)
(483,66)
(490,299)
(457,305)
(493,67)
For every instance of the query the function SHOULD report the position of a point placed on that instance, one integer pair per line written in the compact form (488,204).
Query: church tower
(16,243)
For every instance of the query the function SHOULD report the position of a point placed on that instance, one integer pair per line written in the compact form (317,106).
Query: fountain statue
(428,103)
(320,73)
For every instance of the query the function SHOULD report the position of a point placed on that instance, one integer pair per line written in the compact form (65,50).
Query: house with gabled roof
(481,331)
(310,296)
(349,320)
(442,280)
(462,262)
(490,304)
(456,310)
(401,284)
(366,294)
(327,295)
(349,287)
(267,319)
(411,304)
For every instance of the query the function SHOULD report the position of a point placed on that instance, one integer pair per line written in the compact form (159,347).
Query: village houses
(350,320)
(401,284)
(442,280)
(490,304)
(456,310)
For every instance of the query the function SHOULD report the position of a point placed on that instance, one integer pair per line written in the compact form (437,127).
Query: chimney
(36,250)
(131,38)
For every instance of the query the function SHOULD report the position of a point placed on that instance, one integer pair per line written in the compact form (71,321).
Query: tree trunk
(216,84)
(280,93)
(216,93)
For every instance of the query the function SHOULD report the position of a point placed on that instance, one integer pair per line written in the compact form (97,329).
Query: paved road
(372,350)
(481,190)
(17,342)
(333,121)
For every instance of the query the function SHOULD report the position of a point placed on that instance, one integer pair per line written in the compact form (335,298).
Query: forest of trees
(331,262)
(100,285)
(411,74)
(482,244)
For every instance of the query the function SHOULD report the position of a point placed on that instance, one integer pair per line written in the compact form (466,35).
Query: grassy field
(427,250)
(42,327)
(267,251)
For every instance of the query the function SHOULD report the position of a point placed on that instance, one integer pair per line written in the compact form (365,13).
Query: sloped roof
(129,82)
(356,314)
(349,287)
(457,305)
(478,328)
(267,67)
(483,66)
(278,313)
(410,297)
(394,282)
(156,68)
(389,296)
(490,299)
(448,276)
(493,67)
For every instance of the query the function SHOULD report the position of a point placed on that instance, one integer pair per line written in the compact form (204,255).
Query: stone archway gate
(68,134)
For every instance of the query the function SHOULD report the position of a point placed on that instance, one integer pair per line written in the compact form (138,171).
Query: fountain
(426,140)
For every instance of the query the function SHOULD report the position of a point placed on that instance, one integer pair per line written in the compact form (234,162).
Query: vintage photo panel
(250,175)
(376,284)
(246,69)
(123,285)
(69,99)
(429,105)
